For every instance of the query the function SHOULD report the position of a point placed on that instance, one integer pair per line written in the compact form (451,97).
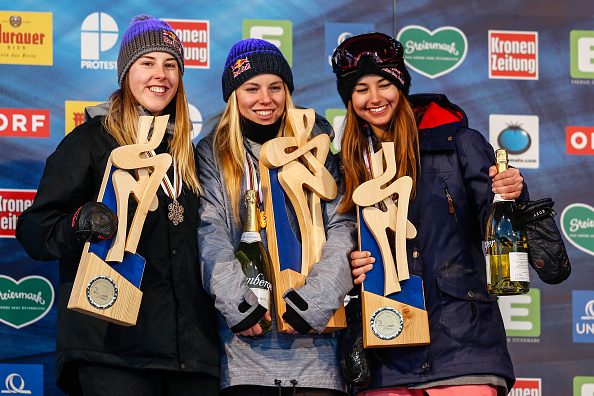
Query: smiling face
(375,100)
(153,80)
(261,99)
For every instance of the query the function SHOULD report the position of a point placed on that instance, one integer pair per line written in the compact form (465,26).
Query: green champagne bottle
(253,257)
(505,243)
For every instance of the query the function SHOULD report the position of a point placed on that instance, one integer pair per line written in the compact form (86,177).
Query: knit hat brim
(396,73)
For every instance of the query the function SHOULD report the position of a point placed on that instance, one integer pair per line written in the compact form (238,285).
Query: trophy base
(101,292)
(390,323)
(291,279)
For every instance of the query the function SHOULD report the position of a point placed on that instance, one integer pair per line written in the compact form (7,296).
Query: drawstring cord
(278,383)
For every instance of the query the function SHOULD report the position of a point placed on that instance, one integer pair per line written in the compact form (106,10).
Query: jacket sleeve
(44,229)
(476,156)
(222,275)
(330,279)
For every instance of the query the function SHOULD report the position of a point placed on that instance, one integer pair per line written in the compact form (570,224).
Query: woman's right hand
(255,329)
(361,262)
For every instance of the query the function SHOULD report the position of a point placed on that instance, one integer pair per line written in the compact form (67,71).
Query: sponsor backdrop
(522,70)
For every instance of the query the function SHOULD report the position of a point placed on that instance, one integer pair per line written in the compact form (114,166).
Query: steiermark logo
(577,223)
(435,53)
(581,50)
(336,118)
(521,314)
(583,386)
(279,33)
(26,301)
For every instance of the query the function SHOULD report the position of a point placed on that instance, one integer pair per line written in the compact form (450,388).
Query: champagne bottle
(505,243)
(253,258)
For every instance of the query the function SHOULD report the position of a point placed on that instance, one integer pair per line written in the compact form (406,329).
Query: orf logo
(579,140)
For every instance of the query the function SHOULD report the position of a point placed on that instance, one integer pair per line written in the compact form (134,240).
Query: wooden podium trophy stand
(393,301)
(294,166)
(108,279)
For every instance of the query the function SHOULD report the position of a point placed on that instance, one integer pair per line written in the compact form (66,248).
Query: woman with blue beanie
(257,86)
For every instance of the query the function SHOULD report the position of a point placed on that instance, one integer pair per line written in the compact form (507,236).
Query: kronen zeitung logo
(577,223)
(26,301)
(433,53)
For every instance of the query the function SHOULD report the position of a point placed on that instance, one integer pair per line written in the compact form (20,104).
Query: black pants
(106,380)
(250,390)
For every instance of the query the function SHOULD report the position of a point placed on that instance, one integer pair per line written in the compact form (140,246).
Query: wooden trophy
(107,282)
(294,166)
(393,301)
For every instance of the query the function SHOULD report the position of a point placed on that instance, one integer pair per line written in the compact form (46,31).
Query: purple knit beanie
(251,57)
(147,34)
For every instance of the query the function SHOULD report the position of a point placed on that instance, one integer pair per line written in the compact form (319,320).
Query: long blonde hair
(122,119)
(228,144)
(403,132)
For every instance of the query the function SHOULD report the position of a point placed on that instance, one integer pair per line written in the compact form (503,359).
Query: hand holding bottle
(255,329)
(508,183)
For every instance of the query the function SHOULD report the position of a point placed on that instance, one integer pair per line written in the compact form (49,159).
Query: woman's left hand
(508,183)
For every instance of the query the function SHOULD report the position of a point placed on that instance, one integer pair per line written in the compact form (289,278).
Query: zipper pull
(450,201)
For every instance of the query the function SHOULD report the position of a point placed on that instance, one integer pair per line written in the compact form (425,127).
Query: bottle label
(259,282)
(251,237)
(518,267)
(263,297)
(488,260)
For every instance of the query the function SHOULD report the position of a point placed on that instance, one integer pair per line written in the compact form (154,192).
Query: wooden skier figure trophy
(107,283)
(294,166)
(393,301)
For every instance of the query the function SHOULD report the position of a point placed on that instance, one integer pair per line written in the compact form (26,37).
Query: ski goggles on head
(381,47)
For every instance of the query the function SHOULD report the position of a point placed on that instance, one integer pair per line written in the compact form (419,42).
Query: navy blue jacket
(467,333)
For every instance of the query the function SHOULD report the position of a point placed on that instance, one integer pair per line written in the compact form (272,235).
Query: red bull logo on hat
(240,66)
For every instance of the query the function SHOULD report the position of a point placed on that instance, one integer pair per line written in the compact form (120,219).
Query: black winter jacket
(176,323)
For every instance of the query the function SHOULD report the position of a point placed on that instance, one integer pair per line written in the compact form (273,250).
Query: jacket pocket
(469,314)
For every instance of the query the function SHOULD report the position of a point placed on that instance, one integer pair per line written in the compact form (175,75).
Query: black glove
(93,222)
(546,250)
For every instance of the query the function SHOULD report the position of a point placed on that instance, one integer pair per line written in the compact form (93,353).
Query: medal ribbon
(171,190)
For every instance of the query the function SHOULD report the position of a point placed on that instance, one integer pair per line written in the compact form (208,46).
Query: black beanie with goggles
(369,53)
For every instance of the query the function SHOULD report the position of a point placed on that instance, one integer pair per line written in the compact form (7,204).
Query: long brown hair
(228,143)
(403,132)
(122,119)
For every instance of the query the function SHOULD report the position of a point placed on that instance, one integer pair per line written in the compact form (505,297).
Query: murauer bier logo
(433,53)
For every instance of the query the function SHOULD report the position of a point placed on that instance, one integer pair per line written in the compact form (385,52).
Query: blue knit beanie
(251,57)
(147,34)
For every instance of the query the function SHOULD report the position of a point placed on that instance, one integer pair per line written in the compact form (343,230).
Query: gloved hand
(93,222)
(546,249)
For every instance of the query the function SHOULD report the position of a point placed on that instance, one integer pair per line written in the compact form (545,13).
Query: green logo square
(581,50)
(279,33)
(336,118)
(521,314)
(583,386)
